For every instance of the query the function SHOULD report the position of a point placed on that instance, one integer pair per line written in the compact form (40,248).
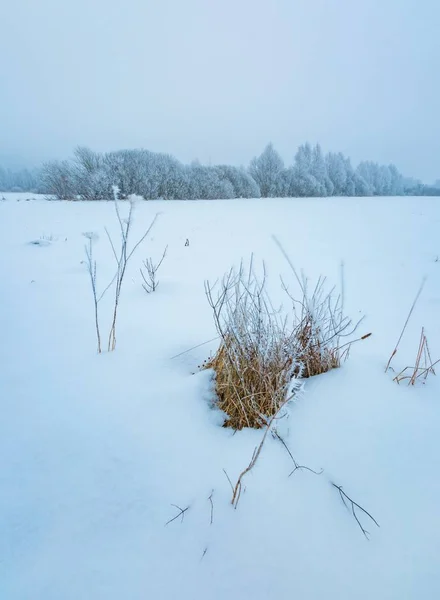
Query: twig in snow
(91,268)
(355,505)
(238,486)
(195,347)
(181,514)
(150,282)
(212,507)
(229,479)
(297,466)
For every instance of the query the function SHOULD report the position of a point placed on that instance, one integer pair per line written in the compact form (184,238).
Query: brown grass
(312,352)
(261,360)
(423,364)
(249,387)
(394,352)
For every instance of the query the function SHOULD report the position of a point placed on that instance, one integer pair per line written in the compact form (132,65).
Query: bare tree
(57,180)
(266,170)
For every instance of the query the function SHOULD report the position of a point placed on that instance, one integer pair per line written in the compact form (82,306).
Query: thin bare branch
(204,553)
(143,237)
(297,466)
(355,505)
(91,268)
(238,486)
(228,478)
(180,514)
(212,507)
(112,246)
(195,347)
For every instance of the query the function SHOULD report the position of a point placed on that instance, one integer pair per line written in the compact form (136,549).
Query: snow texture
(95,450)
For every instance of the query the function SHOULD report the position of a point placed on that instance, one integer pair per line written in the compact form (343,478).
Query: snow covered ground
(20,196)
(95,450)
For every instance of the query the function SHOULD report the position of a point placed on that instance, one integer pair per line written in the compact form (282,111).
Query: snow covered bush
(207,183)
(244,186)
(90,175)
(57,179)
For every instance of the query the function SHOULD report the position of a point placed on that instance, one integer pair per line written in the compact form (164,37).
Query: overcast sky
(218,79)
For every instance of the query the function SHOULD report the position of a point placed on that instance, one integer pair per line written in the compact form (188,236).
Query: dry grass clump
(262,358)
(423,366)
(319,326)
(254,369)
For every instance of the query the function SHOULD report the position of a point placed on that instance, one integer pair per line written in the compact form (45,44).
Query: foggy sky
(218,79)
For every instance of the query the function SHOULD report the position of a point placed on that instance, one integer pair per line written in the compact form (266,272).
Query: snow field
(95,449)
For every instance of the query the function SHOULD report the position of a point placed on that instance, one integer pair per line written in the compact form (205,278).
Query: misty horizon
(216,82)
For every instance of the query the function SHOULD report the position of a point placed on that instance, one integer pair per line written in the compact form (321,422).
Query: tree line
(90,175)
(22,180)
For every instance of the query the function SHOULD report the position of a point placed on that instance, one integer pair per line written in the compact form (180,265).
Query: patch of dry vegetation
(263,356)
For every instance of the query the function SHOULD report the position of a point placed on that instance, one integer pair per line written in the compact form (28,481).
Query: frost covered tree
(244,186)
(350,188)
(343,176)
(173,179)
(126,169)
(383,180)
(23,180)
(4,180)
(337,172)
(57,180)
(265,170)
(397,181)
(90,175)
(320,172)
(304,182)
(367,170)
(205,183)
(286,183)
(361,187)
(168,177)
